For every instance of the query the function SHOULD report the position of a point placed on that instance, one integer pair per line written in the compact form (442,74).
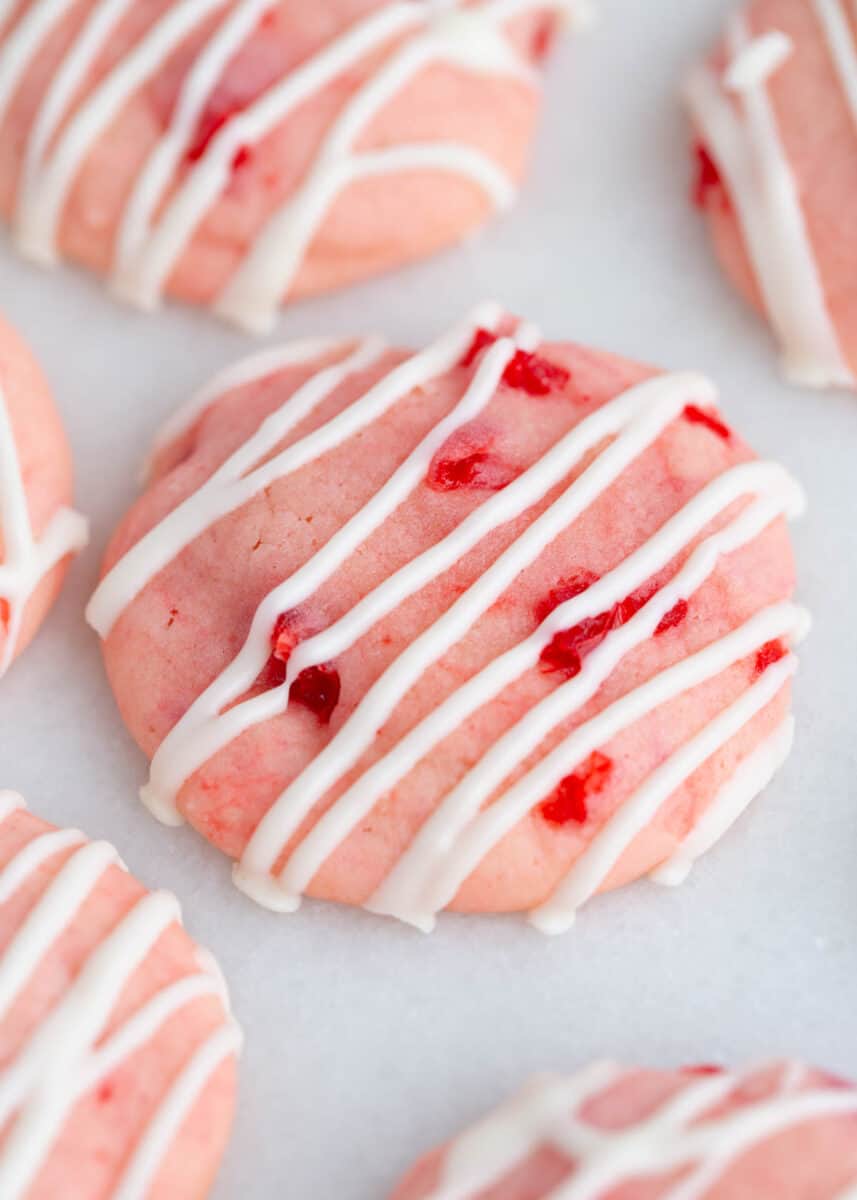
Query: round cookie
(774,111)
(780,1132)
(239,153)
(491,627)
(37,530)
(117,1048)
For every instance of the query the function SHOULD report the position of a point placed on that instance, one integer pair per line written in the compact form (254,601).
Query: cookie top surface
(38,530)
(240,153)
(774,110)
(783,1131)
(116,1045)
(493,626)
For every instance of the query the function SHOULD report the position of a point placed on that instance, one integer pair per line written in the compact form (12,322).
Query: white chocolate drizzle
(27,559)
(66,1055)
(170,198)
(741,134)
(686,1133)
(758,61)
(834,18)
(478,813)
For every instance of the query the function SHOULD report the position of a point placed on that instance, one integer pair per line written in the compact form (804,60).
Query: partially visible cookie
(783,1132)
(117,1050)
(493,626)
(241,153)
(774,112)
(38,531)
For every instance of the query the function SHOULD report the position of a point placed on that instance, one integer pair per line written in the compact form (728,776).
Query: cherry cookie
(783,1132)
(117,1051)
(38,531)
(239,153)
(775,115)
(489,627)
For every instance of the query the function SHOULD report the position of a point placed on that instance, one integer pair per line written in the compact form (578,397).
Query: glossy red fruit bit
(703,1069)
(699,416)
(566,589)
(535,375)
(708,183)
(675,617)
(771,652)
(286,635)
(318,689)
(526,372)
(480,470)
(565,653)
(568,803)
(543,38)
(482,339)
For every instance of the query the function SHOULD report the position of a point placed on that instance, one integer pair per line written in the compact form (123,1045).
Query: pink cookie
(116,1046)
(775,115)
(492,627)
(37,531)
(239,153)
(783,1132)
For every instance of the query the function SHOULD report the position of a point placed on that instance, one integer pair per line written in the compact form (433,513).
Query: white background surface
(367,1042)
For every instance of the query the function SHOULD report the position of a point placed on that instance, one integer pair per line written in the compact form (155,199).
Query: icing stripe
(749,781)
(27,560)
(744,140)
(677,1135)
(159,221)
(834,20)
(64,1056)
(250,370)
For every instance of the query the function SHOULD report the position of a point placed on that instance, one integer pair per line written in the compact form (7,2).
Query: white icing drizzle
(159,222)
(758,61)
(462,831)
(743,138)
(66,1056)
(27,560)
(834,19)
(249,370)
(681,1134)
(749,781)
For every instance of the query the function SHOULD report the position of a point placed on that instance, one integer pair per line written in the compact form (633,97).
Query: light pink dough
(186,626)
(372,224)
(817,131)
(95,1143)
(45,468)
(812,1158)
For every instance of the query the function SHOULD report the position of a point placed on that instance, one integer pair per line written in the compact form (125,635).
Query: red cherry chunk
(676,615)
(568,801)
(771,652)
(707,183)
(699,416)
(318,689)
(535,375)
(565,590)
(526,372)
(480,470)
